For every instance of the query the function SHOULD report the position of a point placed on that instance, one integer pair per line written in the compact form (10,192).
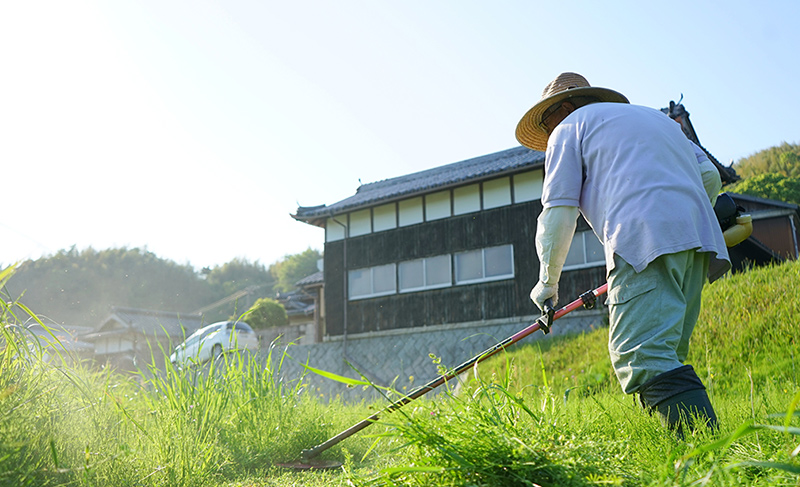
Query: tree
(266,313)
(771,186)
(293,268)
(79,287)
(239,274)
(783,160)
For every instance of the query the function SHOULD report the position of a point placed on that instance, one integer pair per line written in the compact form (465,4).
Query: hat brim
(529,132)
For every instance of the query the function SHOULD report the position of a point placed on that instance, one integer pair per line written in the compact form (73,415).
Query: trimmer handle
(546,321)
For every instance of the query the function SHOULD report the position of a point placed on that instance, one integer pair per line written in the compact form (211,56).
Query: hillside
(772,173)
(749,326)
(783,159)
(79,287)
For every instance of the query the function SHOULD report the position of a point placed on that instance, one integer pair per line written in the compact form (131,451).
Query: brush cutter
(308,457)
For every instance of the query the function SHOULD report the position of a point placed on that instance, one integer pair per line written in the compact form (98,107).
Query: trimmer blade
(312,464)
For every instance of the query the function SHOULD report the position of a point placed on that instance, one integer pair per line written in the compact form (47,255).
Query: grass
(544,414)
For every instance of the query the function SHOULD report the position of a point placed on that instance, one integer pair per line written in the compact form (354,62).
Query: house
(452,244)
(776,231)
(455,244)
(58,342)
(303,305)
(306,315)
(131,337)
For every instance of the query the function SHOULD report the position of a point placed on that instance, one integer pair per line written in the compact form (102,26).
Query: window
(498,262)
(496,193)
(437,206)
(335,228)
(360,223)
(585,251)
(469,266)
(528,186)
(467,199)
(489,264)
(384,217)
(372,281)
(410,211)
(428,273)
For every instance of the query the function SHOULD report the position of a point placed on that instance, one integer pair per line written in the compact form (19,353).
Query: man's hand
(542,292)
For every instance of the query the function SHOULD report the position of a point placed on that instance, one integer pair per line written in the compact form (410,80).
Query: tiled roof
(430,180)
(765,201)
(677,112)
(148,322)
(297,303)
(315,278)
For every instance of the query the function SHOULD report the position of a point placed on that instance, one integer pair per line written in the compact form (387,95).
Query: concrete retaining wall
(402,358)
(300,334)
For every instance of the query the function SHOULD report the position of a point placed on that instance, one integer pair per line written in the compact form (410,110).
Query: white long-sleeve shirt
(636,179)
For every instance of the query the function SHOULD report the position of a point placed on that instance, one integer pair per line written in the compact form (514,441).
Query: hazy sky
(195,128)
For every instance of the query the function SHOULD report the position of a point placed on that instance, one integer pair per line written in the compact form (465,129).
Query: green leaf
(332,376)
(781,429)
(400,470)
(786,467)
(724,442)
(5,274)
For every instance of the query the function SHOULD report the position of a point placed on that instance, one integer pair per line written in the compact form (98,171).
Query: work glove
(542,292)
(554,231)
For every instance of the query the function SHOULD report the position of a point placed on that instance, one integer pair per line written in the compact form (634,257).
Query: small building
(58,343)
(306,314)
(130,337)
(776,232)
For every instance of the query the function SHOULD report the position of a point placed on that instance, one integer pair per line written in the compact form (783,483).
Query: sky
(194,129)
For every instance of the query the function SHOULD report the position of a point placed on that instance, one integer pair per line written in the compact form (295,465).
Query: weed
(549,414)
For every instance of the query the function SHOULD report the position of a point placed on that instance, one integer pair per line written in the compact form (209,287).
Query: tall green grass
(748,331)
(547,414)
(551,413)
(65,423)
(204,426)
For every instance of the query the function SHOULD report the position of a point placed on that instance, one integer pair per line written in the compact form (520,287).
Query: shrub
(266,313)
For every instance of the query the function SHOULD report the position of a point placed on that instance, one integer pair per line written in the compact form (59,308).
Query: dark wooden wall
(780,234)
(515,224)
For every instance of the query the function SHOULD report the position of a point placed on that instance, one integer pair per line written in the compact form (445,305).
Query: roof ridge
(427,180)
(506,154)
(151,312)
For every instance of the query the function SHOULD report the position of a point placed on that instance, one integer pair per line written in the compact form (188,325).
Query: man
(647,192)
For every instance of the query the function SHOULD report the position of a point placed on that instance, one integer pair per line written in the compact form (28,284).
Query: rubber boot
(680,398)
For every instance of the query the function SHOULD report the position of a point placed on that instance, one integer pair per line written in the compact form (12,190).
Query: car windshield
(239,326)
(203,332)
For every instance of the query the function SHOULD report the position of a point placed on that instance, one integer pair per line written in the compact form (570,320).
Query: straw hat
(566,85)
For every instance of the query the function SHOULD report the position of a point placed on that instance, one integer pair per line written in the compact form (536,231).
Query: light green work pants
(652,315)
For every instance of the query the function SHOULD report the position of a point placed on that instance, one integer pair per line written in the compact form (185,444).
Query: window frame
(585,264)
(425,286)
(372,293)
(483,278)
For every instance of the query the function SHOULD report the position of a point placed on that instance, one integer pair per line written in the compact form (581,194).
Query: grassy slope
(745,349)
(551,412)
(548,414)
(749,326)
